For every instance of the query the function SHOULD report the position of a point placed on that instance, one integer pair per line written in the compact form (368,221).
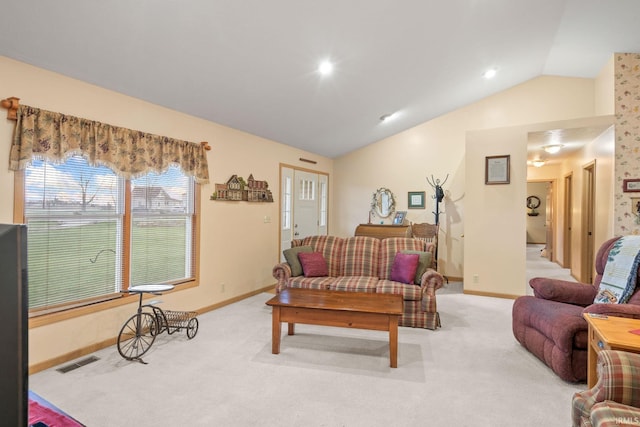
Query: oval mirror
(383,203)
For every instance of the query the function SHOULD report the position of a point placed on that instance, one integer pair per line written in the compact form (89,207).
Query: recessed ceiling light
(553,148)
(490,73)
(388,117)
(325,68)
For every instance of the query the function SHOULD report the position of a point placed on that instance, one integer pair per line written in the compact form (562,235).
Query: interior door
(588,215)
(549,221)
(568,220)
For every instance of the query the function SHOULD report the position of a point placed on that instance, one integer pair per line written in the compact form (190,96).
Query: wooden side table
(382,231)
(609,333)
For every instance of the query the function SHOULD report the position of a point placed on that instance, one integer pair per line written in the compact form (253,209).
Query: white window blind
(286,204)
(161,212)
(75,217)
(323,203)
(74,222)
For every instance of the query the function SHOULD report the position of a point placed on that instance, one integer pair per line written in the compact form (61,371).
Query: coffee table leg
(291,329)
(393,341)
(275,330)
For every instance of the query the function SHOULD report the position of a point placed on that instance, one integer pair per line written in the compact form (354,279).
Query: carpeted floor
(538,266)
(471,372)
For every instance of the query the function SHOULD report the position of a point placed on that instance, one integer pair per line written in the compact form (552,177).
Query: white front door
(304,205)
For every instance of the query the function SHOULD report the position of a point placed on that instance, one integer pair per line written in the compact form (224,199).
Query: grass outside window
(91,234)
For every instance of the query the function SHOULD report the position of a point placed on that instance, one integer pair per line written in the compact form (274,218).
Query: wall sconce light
(553,148)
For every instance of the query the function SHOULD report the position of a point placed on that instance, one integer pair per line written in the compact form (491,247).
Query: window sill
(46,317)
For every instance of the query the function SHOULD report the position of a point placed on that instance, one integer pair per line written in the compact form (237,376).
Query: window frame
(40,317)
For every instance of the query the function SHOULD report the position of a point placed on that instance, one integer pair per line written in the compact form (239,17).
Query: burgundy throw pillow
(404,267)
(313,264)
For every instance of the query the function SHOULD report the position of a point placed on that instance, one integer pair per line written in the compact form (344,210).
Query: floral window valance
(51,136)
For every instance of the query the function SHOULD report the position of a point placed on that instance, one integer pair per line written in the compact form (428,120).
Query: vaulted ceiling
(253,64)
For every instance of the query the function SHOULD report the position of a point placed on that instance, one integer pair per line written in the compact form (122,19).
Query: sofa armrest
(631,311)
(611,413)
(431,281)
(618,381)
(281,272)
(563,291)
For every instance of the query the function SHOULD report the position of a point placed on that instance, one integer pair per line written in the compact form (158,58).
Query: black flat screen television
(14,349)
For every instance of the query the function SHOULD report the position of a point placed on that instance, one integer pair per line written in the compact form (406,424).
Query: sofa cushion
(291,255)
(409,292)
(313,264)
(310,282)
(354,284)
(424,261)
(330,247)
(404,268)
(360,256)
(389,247)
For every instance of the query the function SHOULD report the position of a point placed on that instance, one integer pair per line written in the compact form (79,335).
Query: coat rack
(439,194)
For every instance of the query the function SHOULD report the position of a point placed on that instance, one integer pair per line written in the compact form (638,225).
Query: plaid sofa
(363,264)
(615,399)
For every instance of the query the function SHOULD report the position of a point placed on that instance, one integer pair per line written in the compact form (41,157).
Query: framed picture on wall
(416,200)
(635,207)
(399,218)
(496,170)
(631,185)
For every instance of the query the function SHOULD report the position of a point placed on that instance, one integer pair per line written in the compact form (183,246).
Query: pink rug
(49,416)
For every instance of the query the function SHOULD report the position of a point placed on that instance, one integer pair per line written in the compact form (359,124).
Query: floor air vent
(78,364)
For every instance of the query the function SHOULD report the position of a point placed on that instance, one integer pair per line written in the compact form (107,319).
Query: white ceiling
(571,140)
(251,64)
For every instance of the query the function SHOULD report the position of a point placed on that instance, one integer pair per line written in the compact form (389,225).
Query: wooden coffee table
(360,310)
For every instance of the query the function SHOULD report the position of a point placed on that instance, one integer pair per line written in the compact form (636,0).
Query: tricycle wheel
(192,327)
(137,335)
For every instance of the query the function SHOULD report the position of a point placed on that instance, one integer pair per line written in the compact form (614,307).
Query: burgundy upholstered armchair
(550,323)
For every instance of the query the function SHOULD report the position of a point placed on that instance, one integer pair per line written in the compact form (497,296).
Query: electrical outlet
(222,287)
(476,278)
(267,219)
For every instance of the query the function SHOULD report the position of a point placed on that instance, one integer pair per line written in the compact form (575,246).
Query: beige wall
(495,234)
(536,230)
(454,144)
(439,148)
(599,152)
(499,229)
(605,90)
(234,235)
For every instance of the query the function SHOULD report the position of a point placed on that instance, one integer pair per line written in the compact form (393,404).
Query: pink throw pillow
(313,264)
(404,267)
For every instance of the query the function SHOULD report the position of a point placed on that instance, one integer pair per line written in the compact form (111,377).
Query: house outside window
(92,234)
